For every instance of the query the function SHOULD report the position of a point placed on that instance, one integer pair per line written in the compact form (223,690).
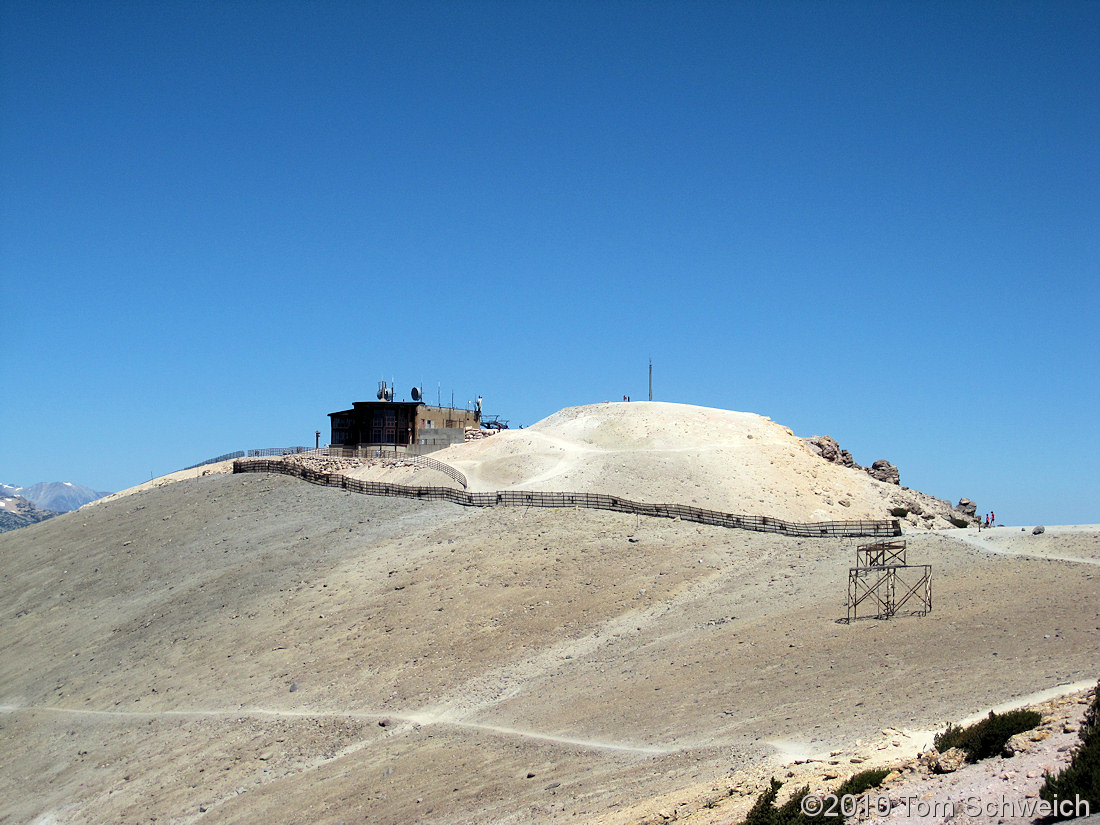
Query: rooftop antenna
(650,379)
(438,394)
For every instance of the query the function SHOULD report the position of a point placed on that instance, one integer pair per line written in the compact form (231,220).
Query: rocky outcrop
(1018,743)
(917,509)
(827,447)
(967,507)
(949,761)
(16,512)
(884,471)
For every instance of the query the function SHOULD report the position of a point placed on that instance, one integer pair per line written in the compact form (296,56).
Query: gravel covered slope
(677,453)
(240,648)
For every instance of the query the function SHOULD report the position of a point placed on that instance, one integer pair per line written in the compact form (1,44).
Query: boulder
(1037,529)
(884,471)
(949,761)
(967,507)
(1017,744)
(827,447)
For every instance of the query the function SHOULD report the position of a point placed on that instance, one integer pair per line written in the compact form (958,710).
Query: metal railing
(278,451)
(591,501)
(215,460)
(432,464)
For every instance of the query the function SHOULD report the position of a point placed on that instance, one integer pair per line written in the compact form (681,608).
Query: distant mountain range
(59,496)
(20,506)
(16,511)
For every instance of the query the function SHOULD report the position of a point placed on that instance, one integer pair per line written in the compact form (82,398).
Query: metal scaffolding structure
(883,585)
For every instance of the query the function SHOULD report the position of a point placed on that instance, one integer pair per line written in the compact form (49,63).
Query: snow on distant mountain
(59,496)
(16,511)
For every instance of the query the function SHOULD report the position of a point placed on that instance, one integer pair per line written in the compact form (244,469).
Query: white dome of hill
(678,453)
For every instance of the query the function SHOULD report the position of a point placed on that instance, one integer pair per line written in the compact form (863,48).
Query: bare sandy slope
(993,791)
(372,469)
(1076,543)
(219,468)
(655,452)
(677,453)
(253,648)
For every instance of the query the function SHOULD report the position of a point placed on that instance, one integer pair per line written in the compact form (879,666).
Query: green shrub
(764,811)
(899,512)
(1082,777)
(958,522)
(790,812)
(987,737)
(862,782)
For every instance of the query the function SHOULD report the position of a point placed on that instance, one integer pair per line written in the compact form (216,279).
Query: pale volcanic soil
(249,648)
(661,452)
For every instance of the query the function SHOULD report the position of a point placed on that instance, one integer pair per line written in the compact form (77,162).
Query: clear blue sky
(879,221)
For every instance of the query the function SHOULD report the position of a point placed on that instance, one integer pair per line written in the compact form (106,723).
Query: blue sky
(879,221)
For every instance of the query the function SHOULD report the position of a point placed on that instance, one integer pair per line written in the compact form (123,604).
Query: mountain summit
(656,451)
(59,496)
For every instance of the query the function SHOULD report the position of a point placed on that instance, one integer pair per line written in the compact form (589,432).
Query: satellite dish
(415,394)
(389,394)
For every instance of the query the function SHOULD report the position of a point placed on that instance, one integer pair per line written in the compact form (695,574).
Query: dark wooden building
(395,423)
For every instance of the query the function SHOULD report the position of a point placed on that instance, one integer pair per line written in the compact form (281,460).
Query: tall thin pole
(650,379)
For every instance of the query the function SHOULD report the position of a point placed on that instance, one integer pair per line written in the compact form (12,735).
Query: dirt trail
(224,649)
(500,685)
(411,718)
(987,542)
(677,453)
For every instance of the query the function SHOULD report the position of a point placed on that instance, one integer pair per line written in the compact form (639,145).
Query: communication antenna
(382,390)
(650,379)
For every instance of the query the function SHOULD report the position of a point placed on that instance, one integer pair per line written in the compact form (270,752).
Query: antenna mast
(650,379)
